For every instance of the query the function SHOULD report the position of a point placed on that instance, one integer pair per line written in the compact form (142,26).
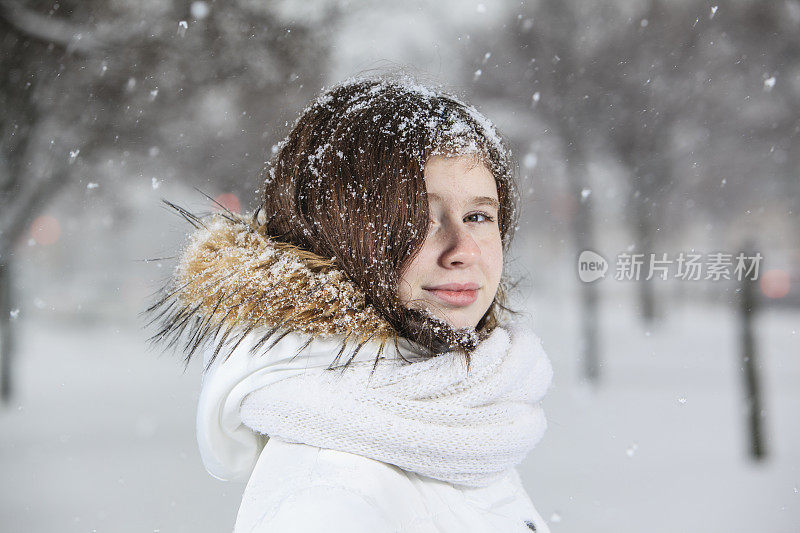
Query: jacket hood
(232,280)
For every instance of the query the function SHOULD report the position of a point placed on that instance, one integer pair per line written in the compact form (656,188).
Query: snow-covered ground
(661,445)
(101,434)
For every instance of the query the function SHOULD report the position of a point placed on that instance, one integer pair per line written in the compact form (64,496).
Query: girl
(357,365)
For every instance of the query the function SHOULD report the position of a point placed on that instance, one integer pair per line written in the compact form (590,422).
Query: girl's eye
(478,217)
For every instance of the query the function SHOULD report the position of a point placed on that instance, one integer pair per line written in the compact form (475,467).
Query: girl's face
(457,271)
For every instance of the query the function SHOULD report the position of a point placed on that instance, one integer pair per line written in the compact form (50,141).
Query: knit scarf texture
(272,321)
(431,417)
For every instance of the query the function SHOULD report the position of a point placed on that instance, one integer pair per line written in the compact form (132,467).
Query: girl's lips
(458,298)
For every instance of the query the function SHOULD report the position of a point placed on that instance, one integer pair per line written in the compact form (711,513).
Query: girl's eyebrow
(477,200)
(486,200)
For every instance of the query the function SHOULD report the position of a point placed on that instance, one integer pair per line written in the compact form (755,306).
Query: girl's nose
(460,250)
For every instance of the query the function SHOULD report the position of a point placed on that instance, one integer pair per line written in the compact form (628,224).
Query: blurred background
(638,126)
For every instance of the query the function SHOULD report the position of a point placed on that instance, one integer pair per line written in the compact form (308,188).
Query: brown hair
(348,184)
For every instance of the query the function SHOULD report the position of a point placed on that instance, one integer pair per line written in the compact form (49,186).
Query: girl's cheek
(496,251)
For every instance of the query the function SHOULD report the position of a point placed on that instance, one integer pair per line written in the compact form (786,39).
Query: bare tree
(666,69)
(552,61)
(202,87)
(643,97)
(29,62)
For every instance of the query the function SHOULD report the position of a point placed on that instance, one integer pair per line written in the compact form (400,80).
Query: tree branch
(48,29)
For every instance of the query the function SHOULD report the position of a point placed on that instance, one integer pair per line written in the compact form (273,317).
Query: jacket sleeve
(325,508)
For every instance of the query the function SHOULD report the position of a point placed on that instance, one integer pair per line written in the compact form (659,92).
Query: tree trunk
(752,383)
(644,239)
(583,238)
(6,333)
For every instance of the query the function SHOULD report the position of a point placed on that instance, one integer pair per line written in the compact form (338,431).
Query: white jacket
(296,488)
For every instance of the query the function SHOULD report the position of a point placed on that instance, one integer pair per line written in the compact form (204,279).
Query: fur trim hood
(232,280)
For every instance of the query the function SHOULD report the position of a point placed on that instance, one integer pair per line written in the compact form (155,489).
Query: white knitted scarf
(431,417)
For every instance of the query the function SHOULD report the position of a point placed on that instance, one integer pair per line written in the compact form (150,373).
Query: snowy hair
(347,184)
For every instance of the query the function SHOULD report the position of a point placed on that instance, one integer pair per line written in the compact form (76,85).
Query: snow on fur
(232,279)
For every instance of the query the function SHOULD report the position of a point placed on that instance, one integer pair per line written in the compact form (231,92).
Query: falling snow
(199,10)
(690,119)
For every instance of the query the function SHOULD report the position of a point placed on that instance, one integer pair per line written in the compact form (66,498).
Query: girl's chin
(459,319)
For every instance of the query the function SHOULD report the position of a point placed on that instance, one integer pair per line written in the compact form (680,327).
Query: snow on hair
(347,184)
